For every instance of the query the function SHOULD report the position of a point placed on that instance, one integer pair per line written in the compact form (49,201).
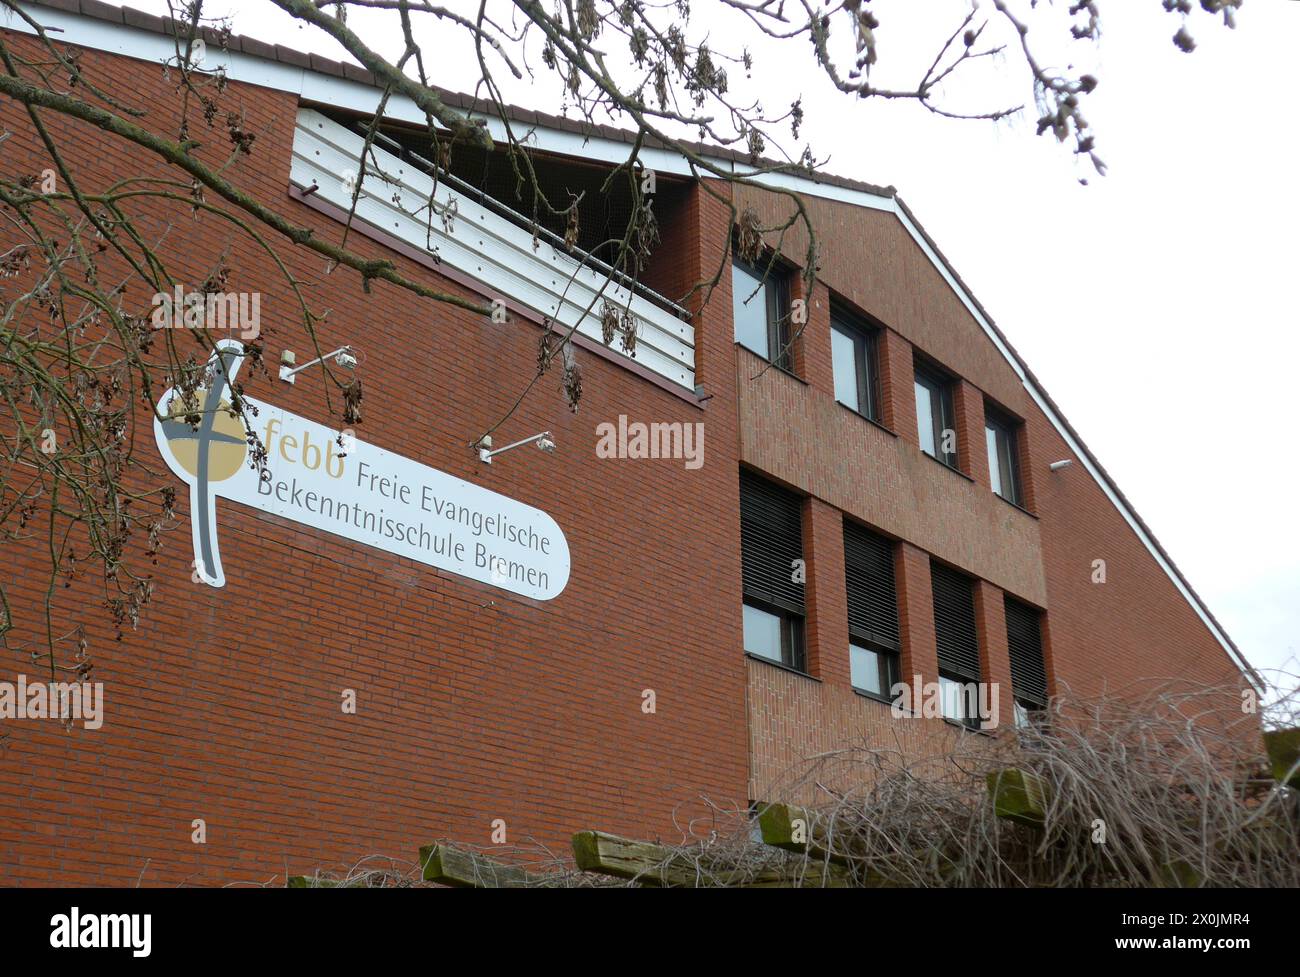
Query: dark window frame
(794,647)
(889,666)
(944,418)
(1006,433)
(866,366)
(775,281)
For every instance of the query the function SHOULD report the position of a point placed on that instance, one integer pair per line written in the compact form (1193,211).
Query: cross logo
(204,437)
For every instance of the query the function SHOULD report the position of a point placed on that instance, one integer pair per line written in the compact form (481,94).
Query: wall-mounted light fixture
(345,356)
(544,441)
(1056,466)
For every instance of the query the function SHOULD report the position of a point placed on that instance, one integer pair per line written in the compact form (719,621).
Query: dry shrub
(1167,789)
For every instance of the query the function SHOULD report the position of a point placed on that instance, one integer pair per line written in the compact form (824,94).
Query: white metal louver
(482,244)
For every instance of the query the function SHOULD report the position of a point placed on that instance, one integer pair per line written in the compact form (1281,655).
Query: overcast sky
(1154,304)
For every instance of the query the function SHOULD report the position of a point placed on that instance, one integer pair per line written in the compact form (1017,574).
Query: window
(853,357)
(774,635)
(1028,673)
(872,671)
(957,701)
(1004,466)
(957,644)
(760,305)
(934,416)
(873,611)
(771,550)
(1025,716)
(755,822)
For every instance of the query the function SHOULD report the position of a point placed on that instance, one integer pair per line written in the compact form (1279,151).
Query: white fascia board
(813,188)
(133,42)
(328,89)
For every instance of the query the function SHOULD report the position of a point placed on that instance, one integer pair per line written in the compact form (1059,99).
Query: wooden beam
(465,869)
(316,882)
(1283,747)
(1019,796)
(796,829)
(806,831)
(623,858)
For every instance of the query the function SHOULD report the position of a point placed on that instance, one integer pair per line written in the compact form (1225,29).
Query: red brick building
(476,703)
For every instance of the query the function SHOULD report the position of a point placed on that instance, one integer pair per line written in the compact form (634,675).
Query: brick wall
(848,737)
(473,704)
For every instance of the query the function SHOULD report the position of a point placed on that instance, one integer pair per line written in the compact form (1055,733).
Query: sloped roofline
(124,30)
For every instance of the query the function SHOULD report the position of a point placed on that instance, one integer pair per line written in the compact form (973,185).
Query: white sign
(328,480)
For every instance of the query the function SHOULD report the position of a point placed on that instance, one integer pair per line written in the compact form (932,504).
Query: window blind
(869,584)
(1025,643)
(771,539)
(954,623)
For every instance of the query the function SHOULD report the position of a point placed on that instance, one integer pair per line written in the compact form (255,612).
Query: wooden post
(465,869)
(1019,796)
(796,829)
(799,829)
(1283,747)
